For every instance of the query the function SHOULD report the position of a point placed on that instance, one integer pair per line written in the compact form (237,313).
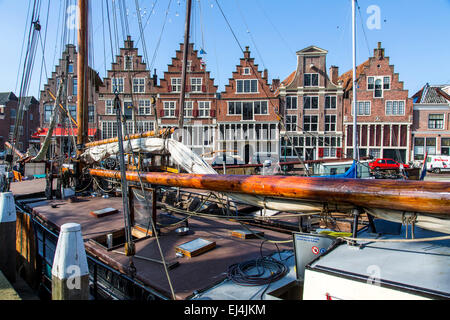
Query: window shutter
(320,152)
(203,88)
(161,113)
(177,112)
(195,113)
(169,88)
(339,152)
(212,113)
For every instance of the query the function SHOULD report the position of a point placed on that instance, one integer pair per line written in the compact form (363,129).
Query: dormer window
(311,79)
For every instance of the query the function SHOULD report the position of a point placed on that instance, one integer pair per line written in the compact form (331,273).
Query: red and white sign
(315,250)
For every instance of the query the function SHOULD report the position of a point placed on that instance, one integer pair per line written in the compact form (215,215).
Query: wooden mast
(183,70)
(82,75)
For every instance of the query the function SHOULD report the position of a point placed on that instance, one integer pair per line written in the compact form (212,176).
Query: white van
(437,164)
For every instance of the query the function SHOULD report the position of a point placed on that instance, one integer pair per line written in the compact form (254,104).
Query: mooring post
(70,273)
(8,236)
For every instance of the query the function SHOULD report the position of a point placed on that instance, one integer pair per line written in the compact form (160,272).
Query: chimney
(247,52)
(155,78)
(275,84)
(334,74)
(265,74)
(378,52)
(128,43)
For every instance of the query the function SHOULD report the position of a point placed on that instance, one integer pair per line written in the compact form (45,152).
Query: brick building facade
(9,106)
(311,103)
(130,79)
(384,110)
(247,117)
(431,128)
(200,105)
(67,66)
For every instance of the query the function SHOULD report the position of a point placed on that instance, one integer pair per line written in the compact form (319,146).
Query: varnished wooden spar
(413,196)
(131,137)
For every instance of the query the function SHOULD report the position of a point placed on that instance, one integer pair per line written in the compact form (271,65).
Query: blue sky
(414,34)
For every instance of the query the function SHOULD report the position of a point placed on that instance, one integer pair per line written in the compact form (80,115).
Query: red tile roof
(347,77)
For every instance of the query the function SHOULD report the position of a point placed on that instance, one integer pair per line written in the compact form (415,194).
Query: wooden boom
(412,196)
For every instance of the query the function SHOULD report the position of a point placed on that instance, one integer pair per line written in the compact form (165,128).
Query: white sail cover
(192,163)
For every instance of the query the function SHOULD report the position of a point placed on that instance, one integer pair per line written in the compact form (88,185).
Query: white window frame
(310,104)
(127,58)
(311,123)
(291,126)
(175,84)
(169,109)
(330,123)
(195,85)
(188,108)
(390,111)
(310,74)
(357,108)
(289,105)
(204,108)
(139,85)
(381,78)
(117,82)
(331,98)
(109,107)
(145,107)
(436,114)
(249,81)
(246,71)
(189,66)
(234,108)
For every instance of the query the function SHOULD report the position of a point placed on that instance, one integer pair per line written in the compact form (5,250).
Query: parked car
(229,160)
(386,164)
(440,166)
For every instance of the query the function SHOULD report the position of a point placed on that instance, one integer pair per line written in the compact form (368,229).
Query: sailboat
(423,204)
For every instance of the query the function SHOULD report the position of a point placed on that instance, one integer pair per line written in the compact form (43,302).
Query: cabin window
(436,121)
(310,123)
(330,102)
(291,102)
(311,79)
(310,102)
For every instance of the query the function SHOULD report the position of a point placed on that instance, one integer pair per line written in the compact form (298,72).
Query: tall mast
(183,70)
(355,113)
(82,75)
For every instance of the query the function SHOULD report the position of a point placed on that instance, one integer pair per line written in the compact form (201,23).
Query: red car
(386,164)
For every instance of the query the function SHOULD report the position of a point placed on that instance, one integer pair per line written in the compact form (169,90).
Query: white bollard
(70,272)
(8,236)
